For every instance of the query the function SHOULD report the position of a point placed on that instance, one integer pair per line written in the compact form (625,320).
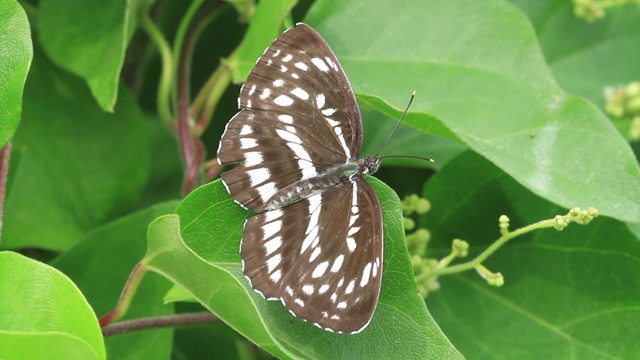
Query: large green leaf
(483,80)
(198,249)
(570,294)
(73,167)
(43,312)
(15,58)
(585,57)
(101,264)
(89,38)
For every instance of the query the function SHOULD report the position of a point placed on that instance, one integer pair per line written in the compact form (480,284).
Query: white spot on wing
(278,82)
(308,171)
(271,229)
(283,100)
(287,58)
(337,263)
(365,275)
(300,93)
(320,99)
(351,244)
(328,112)
(350,287)
(353,230)
(272,245)
(375,269)
(320,269)
(253,158)
(308,289)
(299,302)
(269,216)
(302,66)
(276,276)
(342,305)
(312,227)
(246,130)
(273,262)
(285,118)
(314,254)
(331,63)
(252,89)
(248,143)
(258,176)
(299,151)
(289,137)
(320,64)
(266,191)
(323,289)
(265,93)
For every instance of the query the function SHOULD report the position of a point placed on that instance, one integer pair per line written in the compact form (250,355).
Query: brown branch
(159,322)
(5,154)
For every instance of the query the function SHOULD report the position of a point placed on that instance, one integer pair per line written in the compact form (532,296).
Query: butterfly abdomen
(306,188)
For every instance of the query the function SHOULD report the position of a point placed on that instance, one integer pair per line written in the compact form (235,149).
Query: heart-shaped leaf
(199,250)
(43,312)
(482,79)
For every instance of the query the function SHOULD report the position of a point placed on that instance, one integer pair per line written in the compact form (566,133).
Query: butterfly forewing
(297,93)
(327,265)
(316,243)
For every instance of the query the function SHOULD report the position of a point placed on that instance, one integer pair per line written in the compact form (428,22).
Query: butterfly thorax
(333,176)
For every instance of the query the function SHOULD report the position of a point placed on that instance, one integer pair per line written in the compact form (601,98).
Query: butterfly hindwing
(321,256)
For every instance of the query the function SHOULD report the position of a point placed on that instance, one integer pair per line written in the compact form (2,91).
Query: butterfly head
(370,164)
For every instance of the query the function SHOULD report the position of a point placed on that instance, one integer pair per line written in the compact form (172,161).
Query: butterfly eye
(373,165)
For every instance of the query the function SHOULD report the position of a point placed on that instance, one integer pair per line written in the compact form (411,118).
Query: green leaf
(198,249)
(406,141)
(585,57)
(483,79)
(89,39)
(569,294)
(73,167)
(265,26)
(101,264)
(43,312)
(15,58)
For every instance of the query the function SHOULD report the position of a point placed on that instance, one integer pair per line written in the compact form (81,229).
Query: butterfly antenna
(413,94)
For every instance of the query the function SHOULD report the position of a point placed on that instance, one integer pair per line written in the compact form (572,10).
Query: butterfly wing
(321,256)
(299,118)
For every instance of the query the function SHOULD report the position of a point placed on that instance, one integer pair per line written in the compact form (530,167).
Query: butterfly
(316,242)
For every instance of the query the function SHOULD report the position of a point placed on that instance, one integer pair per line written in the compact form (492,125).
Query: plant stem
(5,155)
(159,322)
(166,77)
(127,295)
(487,252)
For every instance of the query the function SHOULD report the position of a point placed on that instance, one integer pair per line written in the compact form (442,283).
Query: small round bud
(409,223)
(423,206)
(634,131)
(632,89)
(633,105)
(422,236)
(496,280)
(561,222)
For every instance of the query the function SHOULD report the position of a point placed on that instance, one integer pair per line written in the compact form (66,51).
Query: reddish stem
(5,154)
